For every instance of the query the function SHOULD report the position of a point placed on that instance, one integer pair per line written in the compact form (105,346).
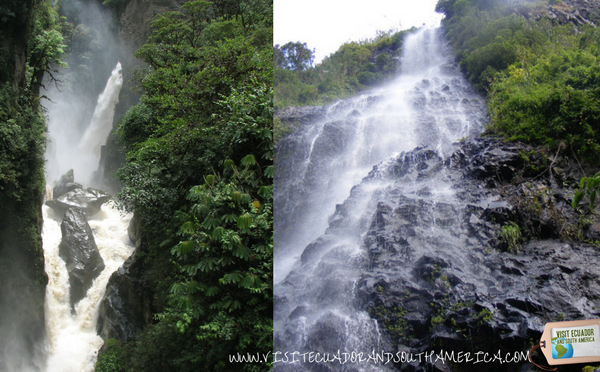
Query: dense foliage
(542,79)
(30,45)
(199,177)
(354,67)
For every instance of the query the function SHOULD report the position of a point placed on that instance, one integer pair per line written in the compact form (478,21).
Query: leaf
(265,191)
(184,247)
(212,291)
(210,179)
(188,228)
(228,164)
(176,288)
(250,281)
(245,199)
(592,199)
(248,160)
(218,233)
(244,221)
(242,252)
(234,277)
(577,198)
(269,171)
(229,218)
(210,222)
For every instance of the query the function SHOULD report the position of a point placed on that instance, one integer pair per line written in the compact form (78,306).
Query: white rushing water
(104,112)
(427,105)
(72,342)
(325,203)
(72,145)
(71,338)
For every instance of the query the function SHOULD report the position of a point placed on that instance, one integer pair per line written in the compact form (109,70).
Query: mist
(21,324)
(71,100)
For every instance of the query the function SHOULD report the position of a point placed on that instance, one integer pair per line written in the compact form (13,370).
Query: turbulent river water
(72,341)
(325,205)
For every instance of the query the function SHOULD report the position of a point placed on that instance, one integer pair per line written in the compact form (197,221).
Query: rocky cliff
(577,12)
(472,251)
(444,275)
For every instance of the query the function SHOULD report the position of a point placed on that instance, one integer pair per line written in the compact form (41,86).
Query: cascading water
(72,145)
(96,133)
(320,230)
(72,341)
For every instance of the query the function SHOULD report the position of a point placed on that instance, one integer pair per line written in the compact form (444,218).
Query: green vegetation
(484,316)
(542,80)
(587,186)
(510,234)
(112,359)
(354,67)
(199,175)
(434,273)
(589,368)
(392,320)
(30,45)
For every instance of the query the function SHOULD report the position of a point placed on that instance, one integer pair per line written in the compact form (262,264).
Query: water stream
(325,203)
(72,342)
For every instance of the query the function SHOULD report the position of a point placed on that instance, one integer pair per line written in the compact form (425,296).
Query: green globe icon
(561,350)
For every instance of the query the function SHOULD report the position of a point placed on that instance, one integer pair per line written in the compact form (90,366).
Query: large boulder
(65,184)
(125,307)
(89,201)
(78,249)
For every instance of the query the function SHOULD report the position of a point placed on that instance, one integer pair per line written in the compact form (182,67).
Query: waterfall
(328,184)
(68,148)
(102,120)
(72,341)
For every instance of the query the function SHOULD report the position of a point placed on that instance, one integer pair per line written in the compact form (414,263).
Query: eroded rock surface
(79,251)
(89,201)
(65,184)
(126,305)
(439,273)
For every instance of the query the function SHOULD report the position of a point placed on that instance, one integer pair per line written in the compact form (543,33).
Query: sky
(324,25)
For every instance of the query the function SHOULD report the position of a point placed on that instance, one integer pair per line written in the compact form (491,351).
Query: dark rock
(89,201)
(65,184)
(295,115)
(576,12)
(125,307)
(134,232)
(435,259)
(80,253)
(354,114)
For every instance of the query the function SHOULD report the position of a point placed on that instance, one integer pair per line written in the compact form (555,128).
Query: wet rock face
(65,184)
(305,114)
(125,308)
(79,251)
(576,12)
(439,268)
(89,201)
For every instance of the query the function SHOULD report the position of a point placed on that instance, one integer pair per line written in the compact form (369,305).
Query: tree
(199,176)
(294,56)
